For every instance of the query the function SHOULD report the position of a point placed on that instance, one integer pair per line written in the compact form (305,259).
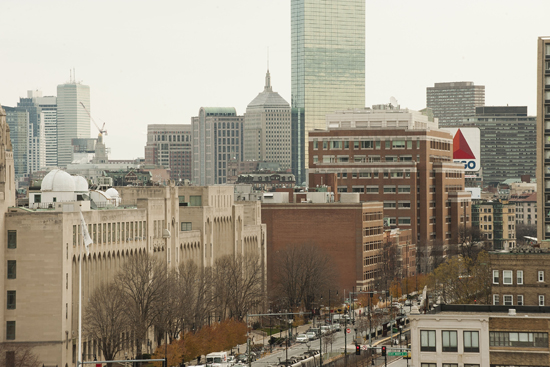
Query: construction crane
(102,130)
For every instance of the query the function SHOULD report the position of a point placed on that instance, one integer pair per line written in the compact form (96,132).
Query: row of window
(448,365)
(508,277)
(508,299)
(375,174)
(449,339)
(366,144)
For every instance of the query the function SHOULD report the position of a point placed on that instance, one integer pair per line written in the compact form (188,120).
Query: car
(302,338)
(337,326)
(325,329)
(311,335)
(408,302)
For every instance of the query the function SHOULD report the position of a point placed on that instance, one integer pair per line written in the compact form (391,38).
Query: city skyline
(163,73)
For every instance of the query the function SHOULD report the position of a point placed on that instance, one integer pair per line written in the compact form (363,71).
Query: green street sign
(397,353)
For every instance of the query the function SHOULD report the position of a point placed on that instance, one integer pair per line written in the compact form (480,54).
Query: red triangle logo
(461,149)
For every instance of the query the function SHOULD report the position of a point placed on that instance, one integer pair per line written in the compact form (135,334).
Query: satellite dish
(393,101)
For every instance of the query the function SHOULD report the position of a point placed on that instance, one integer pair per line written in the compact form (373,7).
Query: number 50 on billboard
(466,147)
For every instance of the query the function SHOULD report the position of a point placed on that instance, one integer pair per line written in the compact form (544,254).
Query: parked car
(337,326)
(302,338)
(311,335)
(325,329)
(317,331)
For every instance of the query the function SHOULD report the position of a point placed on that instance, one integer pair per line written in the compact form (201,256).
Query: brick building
(398,157)
(519,277)
(497,223)
(350,233)
(480,336)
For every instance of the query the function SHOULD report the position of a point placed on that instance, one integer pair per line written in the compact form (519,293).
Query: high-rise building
(452,102)
(72,119)
(18,121)
(508,142)
(543,137)
(170,147)
(217,139)
(328,65)
(267,128)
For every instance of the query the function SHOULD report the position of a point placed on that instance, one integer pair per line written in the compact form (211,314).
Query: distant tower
(543,138)
(72,120)
(169,145)
(267,128)
(452,102)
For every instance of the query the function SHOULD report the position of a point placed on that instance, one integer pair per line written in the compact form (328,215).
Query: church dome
(112,192)
(58,181)
(80,184)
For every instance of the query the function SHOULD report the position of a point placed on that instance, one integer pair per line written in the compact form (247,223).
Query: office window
(541,300)
(195,200)
(496,300)
(186,226)
(10,330)
(404,221)
(372,189)
(428,365)
(508,300)
(449,365)
(520,299)
(12,269)
(12,239)
(389,189)
(471,341)
(516,339)
(495,276)
(507,277)
(427,340)
(404,189)
(471,365)
(450,340)
(519,276)
(11,300)
(541,276)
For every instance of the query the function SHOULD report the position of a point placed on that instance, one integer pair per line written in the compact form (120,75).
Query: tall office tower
(170,146)
(543,138)
(217,139)
(48,105)
(328,65)
(452,102)
(267,128)
(18,121)
(72,120)
(508,142)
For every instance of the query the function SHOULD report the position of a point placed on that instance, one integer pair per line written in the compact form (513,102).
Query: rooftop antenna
(267,58)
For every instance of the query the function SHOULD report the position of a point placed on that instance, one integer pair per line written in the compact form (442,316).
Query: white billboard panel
(466,147)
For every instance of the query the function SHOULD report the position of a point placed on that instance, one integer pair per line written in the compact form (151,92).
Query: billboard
(466,147)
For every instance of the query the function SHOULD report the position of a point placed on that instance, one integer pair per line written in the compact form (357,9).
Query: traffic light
(357,350)
(383,350)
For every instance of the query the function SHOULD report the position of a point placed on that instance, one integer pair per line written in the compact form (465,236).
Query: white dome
(80,184)
(112,192)
(58,181)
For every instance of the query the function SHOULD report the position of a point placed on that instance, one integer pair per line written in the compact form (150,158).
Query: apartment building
(497,222)
(543,137)
(526,208)
(398,157)
(170,146)
(453,101)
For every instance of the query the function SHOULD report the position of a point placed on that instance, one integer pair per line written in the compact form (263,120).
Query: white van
(217,357)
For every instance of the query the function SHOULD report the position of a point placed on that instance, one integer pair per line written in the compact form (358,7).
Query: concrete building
(543,137)
(170,146)
(479,336)
(217,139)
(526,208)
(518,277)
(497,222)
(508,142)
(266,181)
(72,119)
(328,66)
(267,128)
(452,102)
(17,120)
(397,157)
(351,234)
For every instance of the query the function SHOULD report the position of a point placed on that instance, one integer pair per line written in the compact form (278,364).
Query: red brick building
(398,157)
(350,233)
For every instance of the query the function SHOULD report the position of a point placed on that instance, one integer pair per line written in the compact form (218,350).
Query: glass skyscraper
(328,64)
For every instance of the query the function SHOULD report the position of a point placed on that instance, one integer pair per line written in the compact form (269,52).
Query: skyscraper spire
(267,87)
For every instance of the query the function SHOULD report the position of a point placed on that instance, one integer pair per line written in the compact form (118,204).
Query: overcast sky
(158,62)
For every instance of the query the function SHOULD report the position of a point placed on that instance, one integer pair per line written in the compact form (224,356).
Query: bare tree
(470,240)
(143,281)
(241,277)
(169,323)
(106,320)
(18,355)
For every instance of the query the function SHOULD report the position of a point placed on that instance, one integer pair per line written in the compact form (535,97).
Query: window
(428,365)
(372,189)
(389,204)
(367,144)
(507,277)
(11,300)
(449,338)
(12,239)
(404,189)
(519,275)
(389,189)
(404,205)
(520,299)
(471,342)
(541,276)
(404,220)
(12,269)
(496,300)
(508,300)
(398,144)
(186,226)
(195,200)
(516,339)
(10,330)
(495,276)
(449,365)
(427,340)
(541,300)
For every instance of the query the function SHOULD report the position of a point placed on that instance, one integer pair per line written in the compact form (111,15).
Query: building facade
(170,146)
(18,121)
(519,277)
(397,157)
(452,102)
(72,119)
(497,223)
(267,128)
(543,137)
(217,139)
(526,208)
(328,63)
(508,142)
